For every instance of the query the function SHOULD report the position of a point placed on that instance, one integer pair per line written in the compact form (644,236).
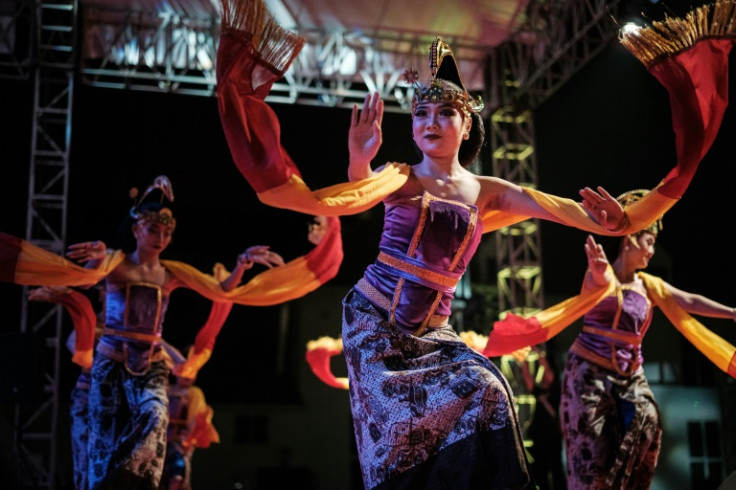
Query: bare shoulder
(492,191)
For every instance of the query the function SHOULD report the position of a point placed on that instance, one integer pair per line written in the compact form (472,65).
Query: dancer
(610,419)
(428,411)
(190,427)
(128,448)
(198,430)
(128,403)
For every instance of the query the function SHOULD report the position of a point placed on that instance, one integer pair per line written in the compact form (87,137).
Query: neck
(441,168)
(140,257)
(625,274)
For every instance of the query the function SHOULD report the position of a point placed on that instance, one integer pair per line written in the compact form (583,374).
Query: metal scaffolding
(167,52)
(49,58)
(559,38)
(17,30)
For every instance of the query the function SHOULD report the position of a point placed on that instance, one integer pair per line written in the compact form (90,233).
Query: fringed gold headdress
(443,68)
(672,35)
(164,216)
(628,198)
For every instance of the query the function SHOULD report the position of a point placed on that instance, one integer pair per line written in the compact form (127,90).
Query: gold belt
(442,280)
(603,362)
(620,335)
(143,337)
(384,303)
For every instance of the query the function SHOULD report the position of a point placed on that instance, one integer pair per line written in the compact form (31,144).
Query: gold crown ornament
(445,84)
(163,216)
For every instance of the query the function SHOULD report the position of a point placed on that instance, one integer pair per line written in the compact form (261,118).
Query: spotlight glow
(630,29)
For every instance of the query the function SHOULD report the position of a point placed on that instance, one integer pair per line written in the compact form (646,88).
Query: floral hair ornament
(445,84)
(163,216)
(630,197)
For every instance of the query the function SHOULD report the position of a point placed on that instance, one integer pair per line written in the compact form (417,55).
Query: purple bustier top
(426,245)
(613,331)
(140,308)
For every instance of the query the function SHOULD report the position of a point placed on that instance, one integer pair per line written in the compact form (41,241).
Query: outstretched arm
(698,304)
(255,254)
(600,206)
(365,136)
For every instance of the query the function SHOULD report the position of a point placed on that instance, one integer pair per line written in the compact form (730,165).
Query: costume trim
(618,335)
(384,303)
(609,364)
(128,335)
(439,280)
(671,36)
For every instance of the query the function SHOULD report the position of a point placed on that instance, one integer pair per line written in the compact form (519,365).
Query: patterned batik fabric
(78,410)
(128,416)
(428,412)
(612,429)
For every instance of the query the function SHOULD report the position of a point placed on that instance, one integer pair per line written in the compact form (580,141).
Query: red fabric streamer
(697,82)
(318,359)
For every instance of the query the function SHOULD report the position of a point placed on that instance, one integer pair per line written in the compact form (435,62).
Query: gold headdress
(630,197)
(163,216)
(443,68)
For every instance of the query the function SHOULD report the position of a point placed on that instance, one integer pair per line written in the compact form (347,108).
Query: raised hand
(87,251)
(597,261)
(365,136)
(604,209)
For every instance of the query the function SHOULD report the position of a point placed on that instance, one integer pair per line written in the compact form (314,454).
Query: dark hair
(470,148)
(125,230)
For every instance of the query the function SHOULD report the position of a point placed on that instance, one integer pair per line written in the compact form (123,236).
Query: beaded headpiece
(163,216)
(443,68)
(630,197)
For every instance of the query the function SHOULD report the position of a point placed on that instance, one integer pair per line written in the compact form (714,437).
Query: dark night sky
(609,125)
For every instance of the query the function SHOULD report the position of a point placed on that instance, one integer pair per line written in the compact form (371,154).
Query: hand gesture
(87,251)
(48,294)
(597,261)
(603,208)
(365,135)
(317,229)
(260,254)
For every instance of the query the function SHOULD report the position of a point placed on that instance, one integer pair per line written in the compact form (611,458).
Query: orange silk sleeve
(719,351)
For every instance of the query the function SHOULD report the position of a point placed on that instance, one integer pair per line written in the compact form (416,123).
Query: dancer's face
(641,249)
(152,236)
(439,128)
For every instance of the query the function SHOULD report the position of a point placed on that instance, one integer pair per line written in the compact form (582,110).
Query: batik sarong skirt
(428,412)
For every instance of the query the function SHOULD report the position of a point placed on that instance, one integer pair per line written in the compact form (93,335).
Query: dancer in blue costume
(128,403)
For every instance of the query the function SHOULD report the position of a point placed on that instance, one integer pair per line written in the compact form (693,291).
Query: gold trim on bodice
(430,320)
(615,338)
